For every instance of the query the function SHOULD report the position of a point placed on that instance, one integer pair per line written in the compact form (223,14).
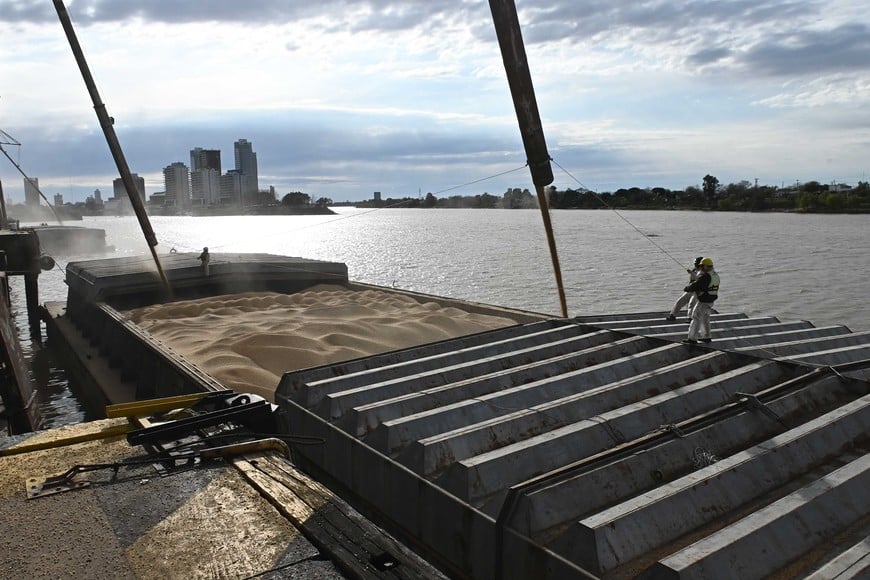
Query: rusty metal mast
(112,140)
(513,52)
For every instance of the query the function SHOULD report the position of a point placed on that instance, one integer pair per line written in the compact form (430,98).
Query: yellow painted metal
(152,406)
(111,431)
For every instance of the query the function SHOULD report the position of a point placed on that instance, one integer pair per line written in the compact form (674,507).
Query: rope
(30,181)
(362,213)
(622,217)
(484,179)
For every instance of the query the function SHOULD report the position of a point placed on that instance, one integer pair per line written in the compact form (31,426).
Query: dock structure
(604,447)
(596,446)
(118,516)
(21,255)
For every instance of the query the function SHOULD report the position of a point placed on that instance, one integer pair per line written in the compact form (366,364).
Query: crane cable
(622,217)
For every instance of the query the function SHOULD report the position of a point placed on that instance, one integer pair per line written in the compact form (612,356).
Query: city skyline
(178,176)
(344,99)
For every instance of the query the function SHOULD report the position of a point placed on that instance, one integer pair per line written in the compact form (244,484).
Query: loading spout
(112,139)
(513,53)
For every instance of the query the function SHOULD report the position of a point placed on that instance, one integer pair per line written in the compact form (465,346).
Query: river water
(792,266)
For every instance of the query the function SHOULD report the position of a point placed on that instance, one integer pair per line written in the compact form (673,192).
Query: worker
(687,296)
(205,258)
(706,290)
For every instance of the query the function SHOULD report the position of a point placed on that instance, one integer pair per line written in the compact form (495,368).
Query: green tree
(813,187)
(296,198)
(833,201)
(710,187)
(485,201)
(807,202)
(518,199)
(691,196)
(430,200)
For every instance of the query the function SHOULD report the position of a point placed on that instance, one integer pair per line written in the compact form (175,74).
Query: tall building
(205,187)
(232,183)
(58,199)
(246,164)
(98,197)
(31,191)
(205,159)
(176,179)
(120,192)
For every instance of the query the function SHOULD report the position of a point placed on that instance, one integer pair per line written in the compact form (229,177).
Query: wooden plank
(290,504)
(324,537)
(359,547)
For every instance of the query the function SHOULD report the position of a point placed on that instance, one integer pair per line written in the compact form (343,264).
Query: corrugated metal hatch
(603,446)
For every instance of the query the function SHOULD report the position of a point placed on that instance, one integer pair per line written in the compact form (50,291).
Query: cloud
(384,15)
(709,56)
(811,52)
(342,97)
(768,37)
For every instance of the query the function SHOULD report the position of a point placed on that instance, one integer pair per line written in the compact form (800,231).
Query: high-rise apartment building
(205,187)
(205,159)
(176,179)
(31,191)
(98,197)
(120,192)
(232,187)
(58,199)
(246,164)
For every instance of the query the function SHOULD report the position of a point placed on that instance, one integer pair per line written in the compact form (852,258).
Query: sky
(342,98)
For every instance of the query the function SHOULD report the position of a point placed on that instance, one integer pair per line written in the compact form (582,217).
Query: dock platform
(250,516)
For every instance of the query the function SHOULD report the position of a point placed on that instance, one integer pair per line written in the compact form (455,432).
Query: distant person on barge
(687,297)
(706,290)
(205,258)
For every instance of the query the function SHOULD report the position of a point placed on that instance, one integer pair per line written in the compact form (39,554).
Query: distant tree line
(743,196)
(299,199)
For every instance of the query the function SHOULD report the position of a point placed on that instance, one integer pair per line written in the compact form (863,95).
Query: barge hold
(596,446)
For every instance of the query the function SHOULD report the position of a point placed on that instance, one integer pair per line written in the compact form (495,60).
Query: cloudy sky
(341,98)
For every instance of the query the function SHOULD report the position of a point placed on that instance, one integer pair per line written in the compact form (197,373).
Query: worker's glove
(689,270)
(687,289)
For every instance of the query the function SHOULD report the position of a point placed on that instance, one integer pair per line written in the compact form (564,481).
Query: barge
(595,446)
(62,240)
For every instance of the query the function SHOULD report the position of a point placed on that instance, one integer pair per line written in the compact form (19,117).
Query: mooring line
(362,213)
(622,217)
